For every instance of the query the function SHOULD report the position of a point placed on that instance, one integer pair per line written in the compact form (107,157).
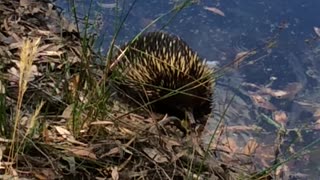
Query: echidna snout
(162,70)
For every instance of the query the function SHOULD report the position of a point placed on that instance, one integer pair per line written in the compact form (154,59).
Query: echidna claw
(169,119)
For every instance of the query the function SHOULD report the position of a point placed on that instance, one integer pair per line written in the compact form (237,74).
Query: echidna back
(156,64)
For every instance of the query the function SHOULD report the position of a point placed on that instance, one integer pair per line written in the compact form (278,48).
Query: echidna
(162,70)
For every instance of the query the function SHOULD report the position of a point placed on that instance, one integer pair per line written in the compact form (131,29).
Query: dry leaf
(155,155)
(39,176)
(25,3)
(111,152)
(13,173)
(102,123)
(170,143)
(73,84)
(83,152)
(16,72)
(214,10)
(45,33)
(44,173)
(280,117)
(46,133)
(51,53)
(73,141)
(2,140)
(179,155)
(250,147)
(127,131)
(196,145)
(67,113)
(14,78)
(2,148)
(62,131)
(115,173)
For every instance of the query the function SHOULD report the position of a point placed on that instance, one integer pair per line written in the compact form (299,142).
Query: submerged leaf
(214,10)
(107,5)
(281,117)
(262,102)
(317,30)
(241,56)
(250,147)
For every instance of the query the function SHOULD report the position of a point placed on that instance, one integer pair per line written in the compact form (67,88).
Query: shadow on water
(246,25)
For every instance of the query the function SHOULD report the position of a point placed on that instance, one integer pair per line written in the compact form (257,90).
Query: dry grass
(27,55)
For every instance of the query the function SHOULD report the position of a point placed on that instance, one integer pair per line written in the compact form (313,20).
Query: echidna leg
(189,114)
(175,121)
(169,119)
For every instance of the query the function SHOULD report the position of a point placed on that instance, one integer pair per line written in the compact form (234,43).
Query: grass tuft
(27,56)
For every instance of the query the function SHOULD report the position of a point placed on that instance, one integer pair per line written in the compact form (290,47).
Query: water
(246,25)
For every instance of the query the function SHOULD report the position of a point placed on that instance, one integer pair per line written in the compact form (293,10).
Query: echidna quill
(163,71)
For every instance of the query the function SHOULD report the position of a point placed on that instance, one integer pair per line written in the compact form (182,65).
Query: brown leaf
(214,10)
(115,173)
(39,176)
(73,84)
(111,152)
(67,113)
(102,123)
(179,155)
(170,143)
(2,148)
(196,145)
(46,133)
(63,132)
(44,173)
(83,152)
(14,77)
(25,3)
(156,155)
